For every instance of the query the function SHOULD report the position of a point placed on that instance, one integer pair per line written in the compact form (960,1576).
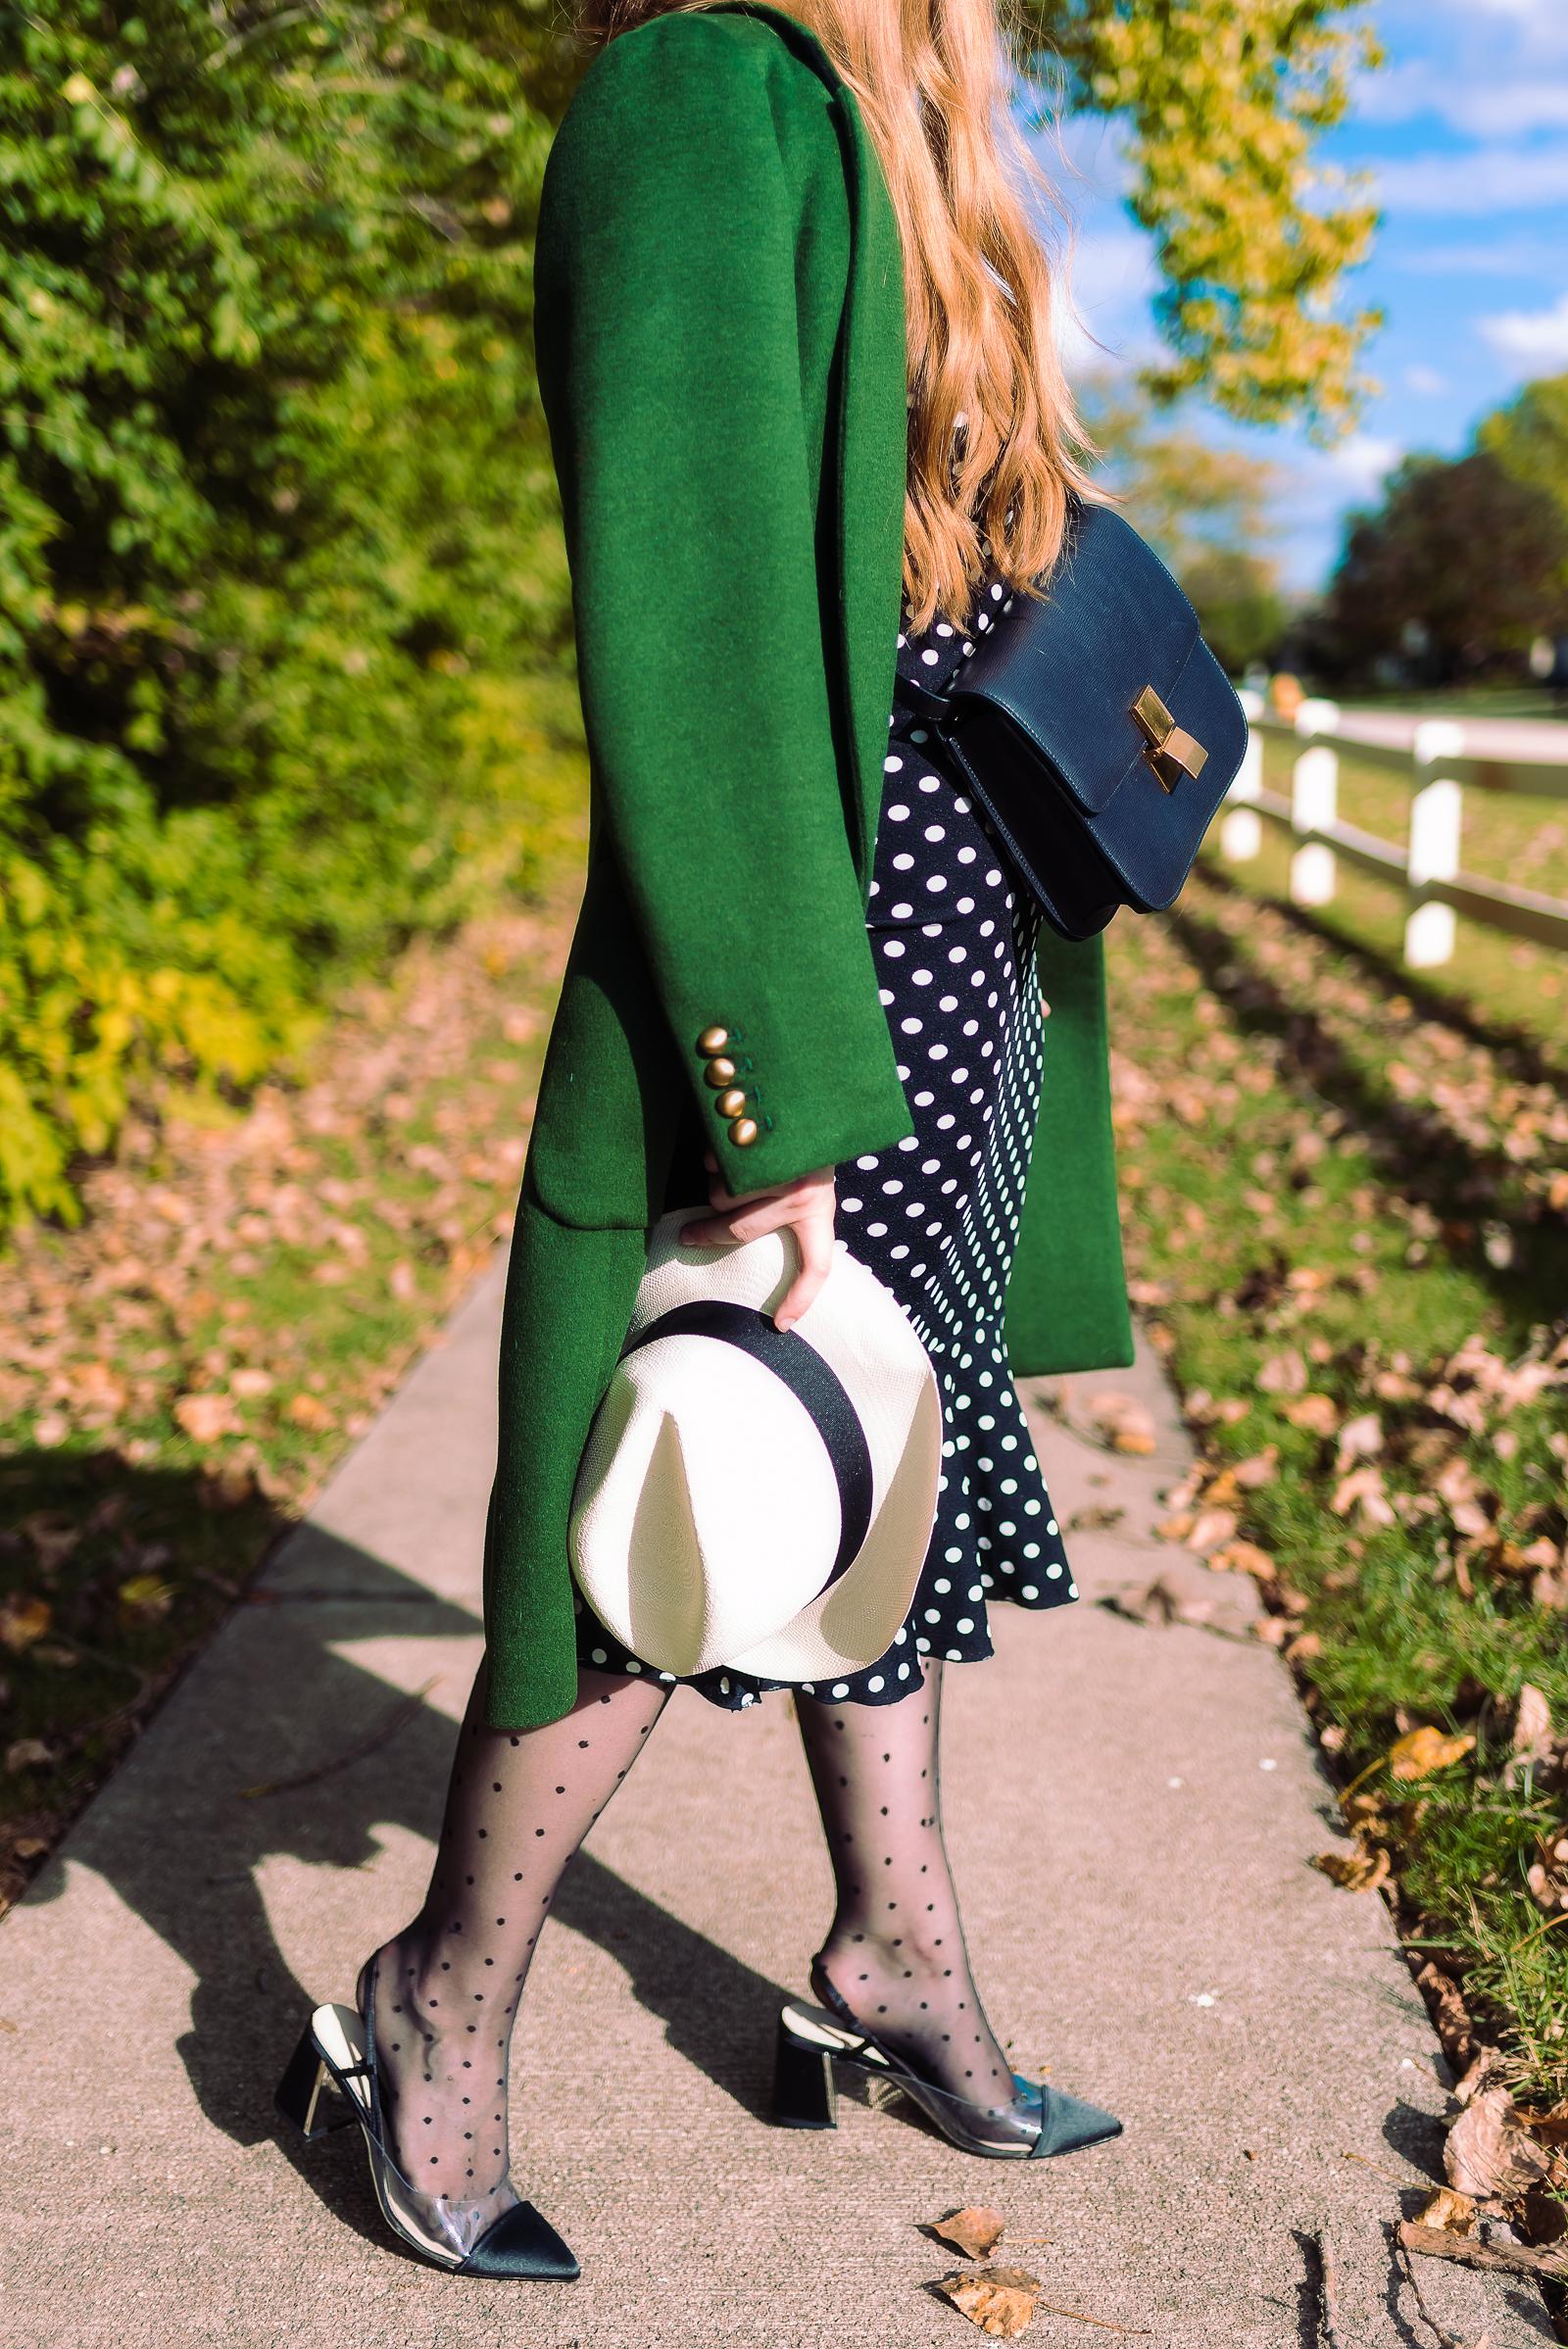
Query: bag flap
(1068,672)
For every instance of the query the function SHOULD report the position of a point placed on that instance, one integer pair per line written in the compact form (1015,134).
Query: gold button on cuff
(719,1073)
(743,1132)
(711,1041)
(731,1103)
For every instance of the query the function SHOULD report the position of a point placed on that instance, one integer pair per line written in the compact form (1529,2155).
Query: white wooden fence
(1438,761)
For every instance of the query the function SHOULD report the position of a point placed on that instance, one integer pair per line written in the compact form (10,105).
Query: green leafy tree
(1462,560)
(1206,508)
(1223,103)
(276,524)
(284,621)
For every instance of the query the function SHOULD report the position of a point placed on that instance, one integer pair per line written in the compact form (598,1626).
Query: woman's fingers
(816,1241)
(738,1223)
(804,1207)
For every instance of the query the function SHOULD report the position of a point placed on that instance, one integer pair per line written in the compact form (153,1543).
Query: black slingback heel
(335,2065)
(1039,2120)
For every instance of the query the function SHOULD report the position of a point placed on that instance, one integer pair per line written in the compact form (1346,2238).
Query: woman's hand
(806,1206)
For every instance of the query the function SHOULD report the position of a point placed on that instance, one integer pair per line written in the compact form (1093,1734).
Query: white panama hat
(753,1497)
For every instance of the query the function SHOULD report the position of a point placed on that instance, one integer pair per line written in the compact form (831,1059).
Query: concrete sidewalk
(1130,1812)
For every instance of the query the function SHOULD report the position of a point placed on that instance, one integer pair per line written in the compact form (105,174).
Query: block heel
(302,2093)
(805,2092)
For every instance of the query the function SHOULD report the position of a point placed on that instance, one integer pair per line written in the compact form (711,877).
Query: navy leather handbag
(1096,729)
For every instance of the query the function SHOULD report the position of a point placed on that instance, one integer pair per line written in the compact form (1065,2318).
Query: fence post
(1241,830)
(1314,805)
(1436,815)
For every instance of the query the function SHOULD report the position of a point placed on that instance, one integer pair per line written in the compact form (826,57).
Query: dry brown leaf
(23,1619)
(1314,1414)
(1243,1557)
(205,1418)
(1283,1374)
(1210,1528)
(1547,1875)
(1354,1870)
(1489,2153)
(1425,1750)
(1177,1528)
(1531,1743)
(998,2301)
(1122,1421)
(1443,2207)
(1260,1470)
(308,1412)
(1450,2014)
(28,1753)
(1362,1489)
(1360,1438)
(975,2230)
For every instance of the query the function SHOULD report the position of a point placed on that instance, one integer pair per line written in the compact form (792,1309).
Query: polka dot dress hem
(936,1217)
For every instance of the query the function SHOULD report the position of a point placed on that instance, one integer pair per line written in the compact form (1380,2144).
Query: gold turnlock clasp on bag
(1169,746)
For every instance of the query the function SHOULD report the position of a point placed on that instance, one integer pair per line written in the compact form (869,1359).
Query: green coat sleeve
(670,368)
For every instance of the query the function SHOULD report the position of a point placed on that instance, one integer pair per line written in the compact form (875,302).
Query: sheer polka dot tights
(445,1989)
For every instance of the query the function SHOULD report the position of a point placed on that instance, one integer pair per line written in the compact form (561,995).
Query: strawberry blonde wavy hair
(994,444)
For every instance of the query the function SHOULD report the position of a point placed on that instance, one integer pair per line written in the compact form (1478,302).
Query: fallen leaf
(1450,2014)
(1489,2153)
(1243,1557)
(1360,1438)
(1210,1528)
(28,1753)
(1314,1414)
(1425,1750)
(1548,1877)
(974,2230)
(308,1412)
(1531,1742)
(205,1418)
(1443,2207)
(147,1596)
(1283,1374)
(1122,1422)
(22,1620)
(999,2301)
(1354,1870)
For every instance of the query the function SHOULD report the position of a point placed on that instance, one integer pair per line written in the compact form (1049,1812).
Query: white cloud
(1362,462)
(1491,257)
(1480,101)
(1425,381)
(1488,179)
(1539,338)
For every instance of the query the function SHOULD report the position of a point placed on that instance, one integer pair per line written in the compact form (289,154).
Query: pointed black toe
(1068,2121)
(521,2244)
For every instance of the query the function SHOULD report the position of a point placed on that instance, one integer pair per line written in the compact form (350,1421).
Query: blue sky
(1465,133)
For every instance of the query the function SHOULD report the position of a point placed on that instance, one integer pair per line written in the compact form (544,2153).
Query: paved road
(1131,1813)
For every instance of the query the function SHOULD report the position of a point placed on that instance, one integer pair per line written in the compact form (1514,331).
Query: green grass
(1504,836)
(1513,990)
(1331,1189)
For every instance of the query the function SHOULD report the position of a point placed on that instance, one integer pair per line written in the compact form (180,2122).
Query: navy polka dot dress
(936,1217)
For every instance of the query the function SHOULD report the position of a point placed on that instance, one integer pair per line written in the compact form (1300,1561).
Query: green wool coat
(720,329)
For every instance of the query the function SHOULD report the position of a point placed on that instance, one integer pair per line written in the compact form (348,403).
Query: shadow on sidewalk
(278,1750)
